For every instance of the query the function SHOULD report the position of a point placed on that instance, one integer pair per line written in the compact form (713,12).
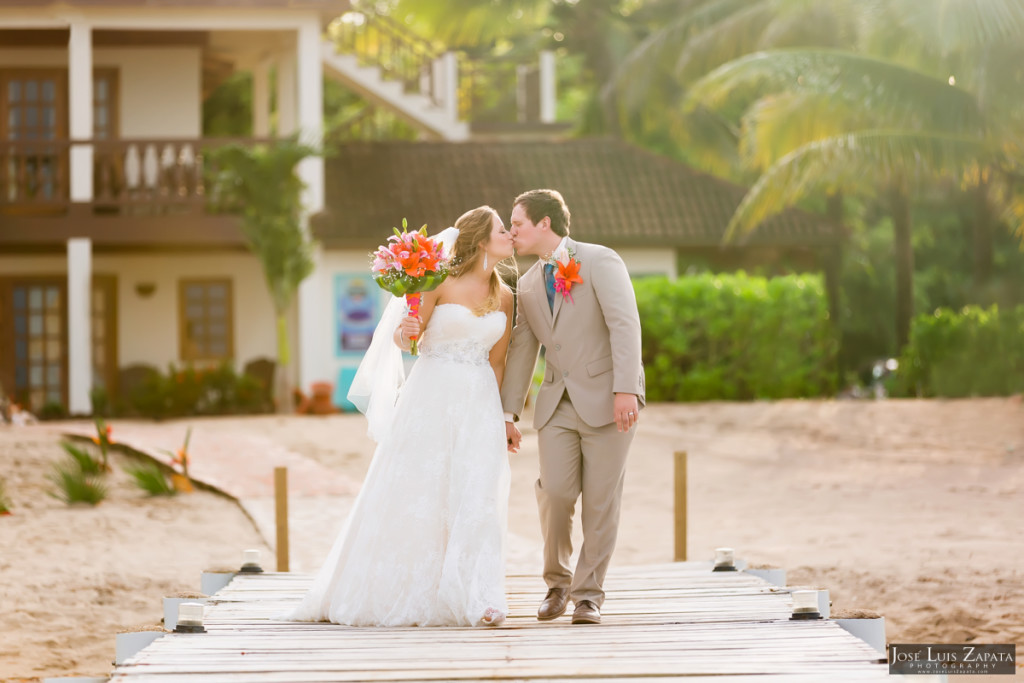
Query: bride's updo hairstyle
(475,229)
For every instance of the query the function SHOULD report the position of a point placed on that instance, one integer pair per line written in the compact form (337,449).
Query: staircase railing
(401,55)
(480,90)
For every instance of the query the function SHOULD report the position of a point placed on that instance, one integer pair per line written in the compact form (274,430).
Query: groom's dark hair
(540,203)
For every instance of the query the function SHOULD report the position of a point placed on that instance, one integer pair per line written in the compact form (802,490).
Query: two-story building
(111,256)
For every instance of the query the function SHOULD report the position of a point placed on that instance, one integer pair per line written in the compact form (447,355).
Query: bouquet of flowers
(409,264)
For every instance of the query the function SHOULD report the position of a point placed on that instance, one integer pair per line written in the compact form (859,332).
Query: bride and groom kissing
(424,544)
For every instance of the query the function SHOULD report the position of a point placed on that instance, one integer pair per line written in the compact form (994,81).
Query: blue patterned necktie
(549,284)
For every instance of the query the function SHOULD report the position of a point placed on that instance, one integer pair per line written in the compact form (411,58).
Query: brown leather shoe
(586,612)
(553,605)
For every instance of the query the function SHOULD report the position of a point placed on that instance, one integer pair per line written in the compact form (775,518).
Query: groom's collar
(549,257)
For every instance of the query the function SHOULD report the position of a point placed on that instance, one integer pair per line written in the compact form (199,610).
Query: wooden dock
(673,621)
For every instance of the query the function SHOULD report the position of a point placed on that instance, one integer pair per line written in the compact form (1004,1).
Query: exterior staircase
(382,62)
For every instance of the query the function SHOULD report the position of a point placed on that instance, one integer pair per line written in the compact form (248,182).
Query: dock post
(680,506)
(281,507)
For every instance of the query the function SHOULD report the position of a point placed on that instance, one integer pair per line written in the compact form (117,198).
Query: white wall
(641,262)
(160,88)
(148,327)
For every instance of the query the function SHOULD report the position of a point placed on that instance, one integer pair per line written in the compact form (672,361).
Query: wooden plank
(665,622)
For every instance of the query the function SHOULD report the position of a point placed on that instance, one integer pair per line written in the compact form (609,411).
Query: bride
(424,543)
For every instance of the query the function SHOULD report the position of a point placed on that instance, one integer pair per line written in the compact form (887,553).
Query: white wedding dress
(424,544)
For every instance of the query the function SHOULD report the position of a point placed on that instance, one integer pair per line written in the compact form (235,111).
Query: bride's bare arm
(500,349)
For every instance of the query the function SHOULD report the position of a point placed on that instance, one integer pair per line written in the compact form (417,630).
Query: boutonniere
(567,272)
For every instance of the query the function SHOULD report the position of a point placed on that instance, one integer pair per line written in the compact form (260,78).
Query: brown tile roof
(618,194)
(328,8)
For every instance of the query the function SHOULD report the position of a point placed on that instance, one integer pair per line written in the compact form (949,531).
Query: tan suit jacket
(592,343)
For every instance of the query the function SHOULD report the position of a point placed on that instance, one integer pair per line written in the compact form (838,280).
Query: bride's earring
(485,260)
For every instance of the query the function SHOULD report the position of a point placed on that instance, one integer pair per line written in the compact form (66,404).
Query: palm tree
(833,120)
(261,181)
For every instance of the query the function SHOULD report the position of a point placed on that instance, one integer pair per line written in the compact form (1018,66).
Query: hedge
(736,337)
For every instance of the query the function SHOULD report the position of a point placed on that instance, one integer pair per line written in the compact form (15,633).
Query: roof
(618,194)
(328,9)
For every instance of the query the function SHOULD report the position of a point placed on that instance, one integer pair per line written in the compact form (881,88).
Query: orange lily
(568,274)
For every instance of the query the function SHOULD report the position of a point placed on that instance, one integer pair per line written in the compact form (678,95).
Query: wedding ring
(631,413)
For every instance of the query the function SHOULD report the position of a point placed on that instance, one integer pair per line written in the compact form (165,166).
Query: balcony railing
(157,176)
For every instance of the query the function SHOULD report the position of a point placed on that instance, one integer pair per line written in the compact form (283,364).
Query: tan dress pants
(576,458)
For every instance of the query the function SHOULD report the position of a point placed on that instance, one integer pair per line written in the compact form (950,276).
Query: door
(38,328)
(33,339)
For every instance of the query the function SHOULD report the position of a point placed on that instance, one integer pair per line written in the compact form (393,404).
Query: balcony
(145,193)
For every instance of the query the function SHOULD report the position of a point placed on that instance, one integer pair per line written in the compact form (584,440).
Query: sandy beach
(909,508)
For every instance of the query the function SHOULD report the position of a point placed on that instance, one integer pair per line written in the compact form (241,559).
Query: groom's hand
(513,436)
(626,411)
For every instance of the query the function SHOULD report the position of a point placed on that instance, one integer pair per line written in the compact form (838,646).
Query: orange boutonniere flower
(568,274)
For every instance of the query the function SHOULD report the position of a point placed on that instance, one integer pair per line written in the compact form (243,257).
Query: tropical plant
(261,181)
(83,460)
(151,479)
(103,440)
(5,502)
(74,485)
(815,120)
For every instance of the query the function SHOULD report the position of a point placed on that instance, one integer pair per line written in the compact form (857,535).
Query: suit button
(565,374)
(558,347)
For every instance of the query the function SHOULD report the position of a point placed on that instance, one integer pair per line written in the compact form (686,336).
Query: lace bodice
(454,333)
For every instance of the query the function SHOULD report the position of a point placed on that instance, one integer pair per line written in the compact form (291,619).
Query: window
(205,320)
(104,104)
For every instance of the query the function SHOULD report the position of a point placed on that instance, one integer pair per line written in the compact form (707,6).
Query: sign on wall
(356,310)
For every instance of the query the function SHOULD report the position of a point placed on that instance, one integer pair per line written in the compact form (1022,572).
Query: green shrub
(5,502)
(189,390)
(971,352)
(75,486)
(736,337)
(151,479)
(82,459)
(52,410)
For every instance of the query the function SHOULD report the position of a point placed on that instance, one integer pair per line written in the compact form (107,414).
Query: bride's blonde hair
(475,228)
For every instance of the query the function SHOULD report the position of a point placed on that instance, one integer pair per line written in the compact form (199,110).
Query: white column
(80,109)
(261,99)
(79,325)
(450,84)
(314,307)
(547,86)
(522,93)
(286,119)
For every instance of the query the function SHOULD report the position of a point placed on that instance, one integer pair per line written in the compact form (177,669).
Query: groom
(577,301)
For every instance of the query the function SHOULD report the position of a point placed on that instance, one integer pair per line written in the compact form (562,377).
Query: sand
(72,577)
(909,508)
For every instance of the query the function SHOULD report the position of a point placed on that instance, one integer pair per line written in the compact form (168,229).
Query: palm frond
(469,23)
(954,25)
(777,124)
(896,95)
(657,54)
(854,158)
(735,35)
